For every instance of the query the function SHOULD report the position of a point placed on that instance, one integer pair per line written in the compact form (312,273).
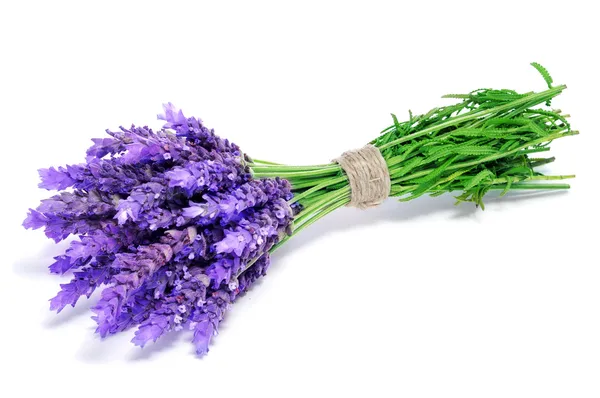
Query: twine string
(368,176)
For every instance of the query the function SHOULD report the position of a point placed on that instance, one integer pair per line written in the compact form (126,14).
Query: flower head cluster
(171,221)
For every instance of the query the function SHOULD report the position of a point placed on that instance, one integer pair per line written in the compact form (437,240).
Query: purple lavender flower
(173,310)
(207,316)
(170,220)
(207,176)
(83,283)
(173,116)
(134,269)
(103,147)
(55,179)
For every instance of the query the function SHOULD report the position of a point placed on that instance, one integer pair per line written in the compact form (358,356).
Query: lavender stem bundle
(177,223)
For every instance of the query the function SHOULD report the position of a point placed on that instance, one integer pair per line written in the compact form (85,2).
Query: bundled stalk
(178,223)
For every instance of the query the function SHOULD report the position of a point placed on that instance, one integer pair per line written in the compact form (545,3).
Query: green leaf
(436,172)
(514,121)
(544,72)
(507,188)
(481,176)
(408,167)
(474,150)
(519,170)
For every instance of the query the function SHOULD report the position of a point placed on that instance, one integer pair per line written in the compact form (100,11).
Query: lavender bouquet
(178,223)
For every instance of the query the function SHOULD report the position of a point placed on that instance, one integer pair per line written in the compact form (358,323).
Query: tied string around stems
(368,176)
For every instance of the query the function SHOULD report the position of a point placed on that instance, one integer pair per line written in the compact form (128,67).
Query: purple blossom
(207,176)
(174,308)
(203,332)
(103,147)
(208,315)
(173,116)
(83,283)
(55,178)
(234,242)
(170,220)
(70,213)
(62,264)
(151,329)
(35,220)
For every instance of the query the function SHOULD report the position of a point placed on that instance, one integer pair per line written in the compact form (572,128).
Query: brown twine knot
(368,175)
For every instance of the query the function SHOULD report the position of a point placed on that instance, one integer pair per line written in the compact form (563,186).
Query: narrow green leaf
(544,72)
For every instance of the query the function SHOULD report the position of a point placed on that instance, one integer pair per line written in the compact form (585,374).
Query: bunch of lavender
(178,223)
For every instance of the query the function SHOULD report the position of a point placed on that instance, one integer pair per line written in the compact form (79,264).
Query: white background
(421,299)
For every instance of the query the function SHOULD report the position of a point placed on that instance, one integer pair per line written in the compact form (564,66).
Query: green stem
(295,174)
(312,220)
(316,188)
(264,162)
(518,186)
(286,168)
(323,202)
